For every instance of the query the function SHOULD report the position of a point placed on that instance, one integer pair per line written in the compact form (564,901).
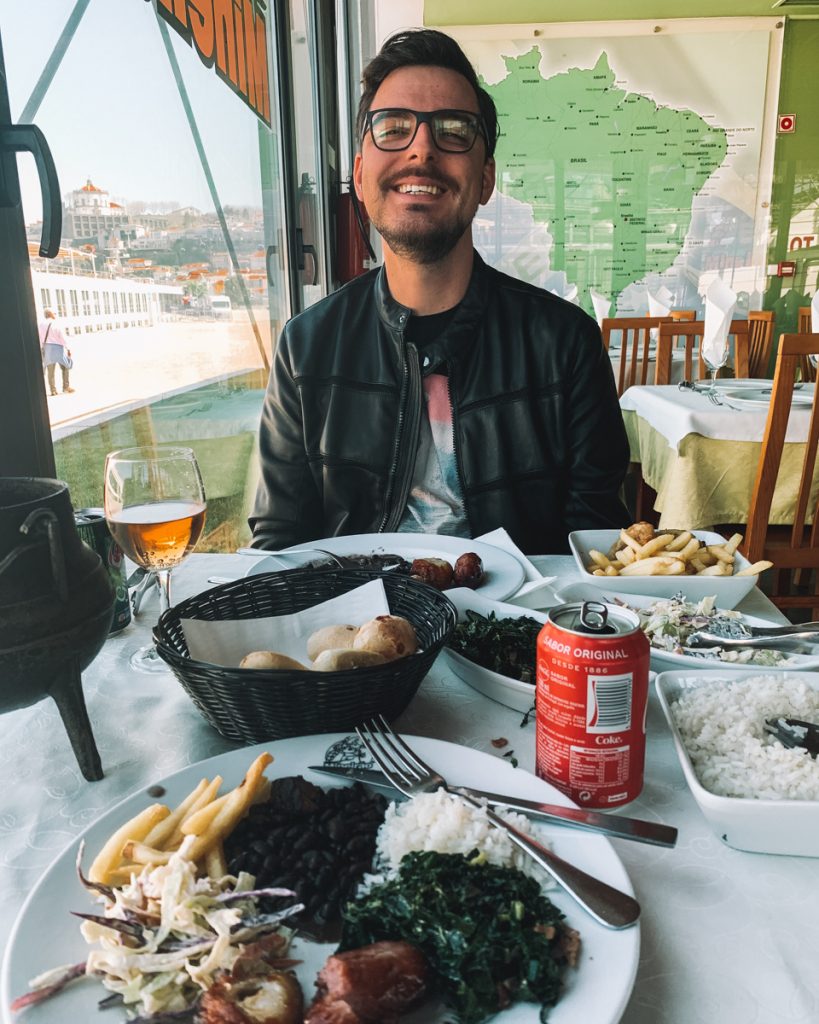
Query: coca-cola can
(591,697)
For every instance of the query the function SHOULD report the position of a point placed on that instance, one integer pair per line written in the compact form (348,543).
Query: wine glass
(715,356)
(155,510)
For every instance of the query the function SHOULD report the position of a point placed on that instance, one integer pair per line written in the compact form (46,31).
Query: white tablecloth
(727,937)
(675,414)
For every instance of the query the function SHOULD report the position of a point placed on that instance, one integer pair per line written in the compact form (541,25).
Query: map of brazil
(617,175)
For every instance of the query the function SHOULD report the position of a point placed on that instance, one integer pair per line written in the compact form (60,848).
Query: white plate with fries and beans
(199,803)
(642,560)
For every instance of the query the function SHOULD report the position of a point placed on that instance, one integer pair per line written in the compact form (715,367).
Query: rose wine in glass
(155,510)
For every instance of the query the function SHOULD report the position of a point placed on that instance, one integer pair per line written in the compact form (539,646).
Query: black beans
(317,842)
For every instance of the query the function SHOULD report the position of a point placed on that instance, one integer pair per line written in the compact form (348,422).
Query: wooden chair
(635,347)
(806,367)
(691,335)
(760,338)
(794,550)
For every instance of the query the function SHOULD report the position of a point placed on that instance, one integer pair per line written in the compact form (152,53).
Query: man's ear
(487,181)
(357,178)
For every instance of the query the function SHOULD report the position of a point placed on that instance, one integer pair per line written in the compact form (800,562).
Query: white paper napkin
(659,304)
(602,305)
(814,314)
(536,589)
(720,303)
(570,295)
(227,641)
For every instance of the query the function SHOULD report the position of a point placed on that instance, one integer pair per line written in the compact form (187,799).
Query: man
(436,394)
(55,352)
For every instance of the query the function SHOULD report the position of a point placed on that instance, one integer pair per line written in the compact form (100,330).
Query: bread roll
(390,635)
(330,638)
(344,658)
(270,660)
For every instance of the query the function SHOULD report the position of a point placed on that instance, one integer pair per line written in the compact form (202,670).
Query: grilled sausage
(468,570)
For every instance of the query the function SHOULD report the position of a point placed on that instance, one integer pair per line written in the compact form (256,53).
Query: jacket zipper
(450,376)
(409,415)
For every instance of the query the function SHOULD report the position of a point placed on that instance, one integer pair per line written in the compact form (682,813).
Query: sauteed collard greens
(489,934)
(506,646)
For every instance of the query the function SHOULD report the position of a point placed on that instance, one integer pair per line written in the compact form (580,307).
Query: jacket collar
(461,331)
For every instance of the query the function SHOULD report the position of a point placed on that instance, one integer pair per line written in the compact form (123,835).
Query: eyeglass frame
(424,117)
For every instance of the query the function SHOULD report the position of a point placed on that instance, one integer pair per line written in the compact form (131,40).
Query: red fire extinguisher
(353,239)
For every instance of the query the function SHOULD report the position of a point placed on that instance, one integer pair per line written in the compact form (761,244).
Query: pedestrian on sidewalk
(55,352)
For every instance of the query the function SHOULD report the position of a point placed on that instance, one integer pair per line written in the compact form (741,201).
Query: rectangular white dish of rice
(756,794)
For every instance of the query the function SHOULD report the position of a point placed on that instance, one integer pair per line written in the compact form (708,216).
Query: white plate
(729,590)
(788,827)
(505,690)
(760,398)
(661,660)
(45,935)
(743,383)
(503,572)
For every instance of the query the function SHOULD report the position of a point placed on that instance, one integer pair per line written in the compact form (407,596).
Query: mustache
(433,175)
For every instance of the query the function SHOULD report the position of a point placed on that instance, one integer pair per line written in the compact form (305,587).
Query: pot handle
(44,519)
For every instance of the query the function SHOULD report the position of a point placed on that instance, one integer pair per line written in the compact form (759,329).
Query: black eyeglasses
(394,128)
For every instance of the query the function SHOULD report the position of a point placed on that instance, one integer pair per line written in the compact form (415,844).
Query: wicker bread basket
(251,706)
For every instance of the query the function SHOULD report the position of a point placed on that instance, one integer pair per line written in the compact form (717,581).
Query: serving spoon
(735,634)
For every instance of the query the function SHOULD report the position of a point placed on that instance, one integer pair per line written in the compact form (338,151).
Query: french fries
(203,820)
(670,554)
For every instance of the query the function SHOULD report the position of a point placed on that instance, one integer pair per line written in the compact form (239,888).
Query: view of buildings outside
(167,286)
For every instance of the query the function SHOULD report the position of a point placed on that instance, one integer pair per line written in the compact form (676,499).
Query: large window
(165,136)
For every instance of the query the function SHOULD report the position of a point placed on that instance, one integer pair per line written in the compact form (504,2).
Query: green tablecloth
(707,482)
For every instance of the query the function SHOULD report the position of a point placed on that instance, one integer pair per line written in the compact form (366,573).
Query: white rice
(722,729)
(442,822)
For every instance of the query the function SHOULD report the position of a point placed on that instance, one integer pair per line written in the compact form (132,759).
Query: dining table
(726,937)
(701,457)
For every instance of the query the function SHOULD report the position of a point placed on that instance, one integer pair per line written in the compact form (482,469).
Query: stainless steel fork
(409,775)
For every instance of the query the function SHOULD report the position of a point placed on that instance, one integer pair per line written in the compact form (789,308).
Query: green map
(612,174)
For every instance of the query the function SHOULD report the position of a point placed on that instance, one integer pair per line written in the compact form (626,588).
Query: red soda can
(591,698)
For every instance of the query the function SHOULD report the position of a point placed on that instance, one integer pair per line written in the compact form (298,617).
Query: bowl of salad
(668,622)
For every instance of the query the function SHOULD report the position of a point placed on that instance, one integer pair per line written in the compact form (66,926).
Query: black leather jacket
(539,437)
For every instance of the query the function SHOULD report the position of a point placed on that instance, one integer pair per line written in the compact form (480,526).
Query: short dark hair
(418,48)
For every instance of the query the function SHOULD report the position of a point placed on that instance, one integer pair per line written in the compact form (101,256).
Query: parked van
(220,306)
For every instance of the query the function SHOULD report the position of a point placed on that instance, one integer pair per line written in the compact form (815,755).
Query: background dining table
(726,937)
(701,458)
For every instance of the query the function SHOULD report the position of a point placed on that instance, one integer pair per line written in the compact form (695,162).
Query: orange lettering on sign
(201,19)
(240,46)
(225,39)
(256,44)
(230,34)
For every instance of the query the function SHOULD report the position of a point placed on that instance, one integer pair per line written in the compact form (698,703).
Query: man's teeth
(432,190)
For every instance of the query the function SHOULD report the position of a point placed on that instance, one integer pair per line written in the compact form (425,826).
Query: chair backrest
(683,314)
(803,551)
(807,371)
(635,347)
(760,331)
(691,336)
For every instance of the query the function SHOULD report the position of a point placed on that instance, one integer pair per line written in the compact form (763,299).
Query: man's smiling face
(422,200)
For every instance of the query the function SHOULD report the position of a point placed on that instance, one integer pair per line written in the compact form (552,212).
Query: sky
(113,112)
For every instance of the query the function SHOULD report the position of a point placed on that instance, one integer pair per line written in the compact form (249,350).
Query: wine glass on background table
(155,510)
(715,356)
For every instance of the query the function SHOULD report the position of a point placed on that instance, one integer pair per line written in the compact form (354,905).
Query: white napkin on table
(602,305)
(535,591)
(659,304)
(720,303)
(814,314)
(570,295)
(227,641)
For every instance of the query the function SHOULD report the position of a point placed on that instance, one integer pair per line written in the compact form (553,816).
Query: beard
(423,242)
(417,236)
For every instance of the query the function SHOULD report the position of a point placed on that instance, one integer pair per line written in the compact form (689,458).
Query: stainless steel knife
(575,817)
